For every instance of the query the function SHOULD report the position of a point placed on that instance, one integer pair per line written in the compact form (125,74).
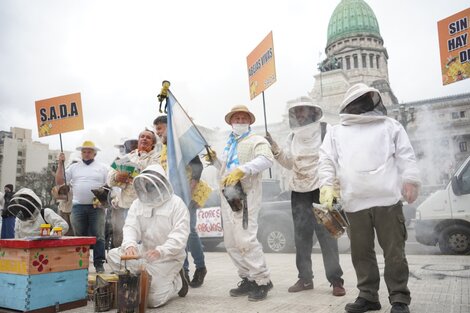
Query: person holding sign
(245,157)
(301,157)
(121,175)
(85,176)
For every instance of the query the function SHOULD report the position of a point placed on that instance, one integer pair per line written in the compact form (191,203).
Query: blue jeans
(8,227)
(89,221)
(194,242)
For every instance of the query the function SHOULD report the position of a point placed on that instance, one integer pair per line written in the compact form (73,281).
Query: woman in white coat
(156,231)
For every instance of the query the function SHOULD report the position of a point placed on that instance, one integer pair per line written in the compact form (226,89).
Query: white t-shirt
(84,178)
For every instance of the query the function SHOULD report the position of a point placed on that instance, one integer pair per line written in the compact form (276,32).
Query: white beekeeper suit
(302,149)
(249,155)
(372,157)
(26,206)
(160,221)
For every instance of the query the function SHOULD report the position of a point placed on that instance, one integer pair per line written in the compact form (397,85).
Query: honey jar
(57,231)
(45,229)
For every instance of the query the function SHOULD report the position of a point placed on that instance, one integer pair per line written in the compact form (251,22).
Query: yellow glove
(233,178)
(327,195)
(210,157)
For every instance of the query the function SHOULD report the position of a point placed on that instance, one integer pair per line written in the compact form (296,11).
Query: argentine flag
(184,142)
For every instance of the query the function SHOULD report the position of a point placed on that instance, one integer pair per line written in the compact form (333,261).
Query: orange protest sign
(59,115)
(454,47)
(261,67)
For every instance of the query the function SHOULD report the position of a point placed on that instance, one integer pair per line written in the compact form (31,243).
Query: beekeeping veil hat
(25,205)
(303,111)
(152,186)
(361,98)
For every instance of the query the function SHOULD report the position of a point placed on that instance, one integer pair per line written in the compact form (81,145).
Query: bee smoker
(334,220)
(236,198)
(128,289)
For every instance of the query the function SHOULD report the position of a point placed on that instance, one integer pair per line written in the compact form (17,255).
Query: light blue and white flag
(184,142)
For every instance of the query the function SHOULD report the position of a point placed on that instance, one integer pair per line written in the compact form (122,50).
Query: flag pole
(266,126)
(197,129)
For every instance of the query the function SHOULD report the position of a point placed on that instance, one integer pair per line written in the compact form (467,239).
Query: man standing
(8,219)
(156,231)
(84,176)
(301,156)
(194,175)
(372,157)
(245,157)
(142,157)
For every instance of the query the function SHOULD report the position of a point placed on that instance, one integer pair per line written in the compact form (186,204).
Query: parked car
(443,219)
(276,228)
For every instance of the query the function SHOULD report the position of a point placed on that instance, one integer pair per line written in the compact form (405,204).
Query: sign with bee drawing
(59,115)
(454,47)
(261,67)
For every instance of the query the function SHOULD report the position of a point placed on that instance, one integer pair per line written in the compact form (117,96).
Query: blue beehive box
(30,292)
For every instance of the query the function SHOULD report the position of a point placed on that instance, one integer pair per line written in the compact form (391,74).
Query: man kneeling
(159,221)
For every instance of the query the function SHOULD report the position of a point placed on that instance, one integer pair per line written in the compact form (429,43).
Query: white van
(444,217)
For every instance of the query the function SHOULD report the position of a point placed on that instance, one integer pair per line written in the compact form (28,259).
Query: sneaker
(338,289)
(198,277)
(260,292)
(99,268)
(362,305)
(184,289)
(301,285)
(244,288)
(398,307)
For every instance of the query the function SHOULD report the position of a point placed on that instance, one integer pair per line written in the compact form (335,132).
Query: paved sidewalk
(438,284)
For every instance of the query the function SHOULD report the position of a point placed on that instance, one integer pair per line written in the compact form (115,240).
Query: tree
(41,183)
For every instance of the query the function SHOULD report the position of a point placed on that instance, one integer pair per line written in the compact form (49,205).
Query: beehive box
(29,257)
(31,292)
(40,274)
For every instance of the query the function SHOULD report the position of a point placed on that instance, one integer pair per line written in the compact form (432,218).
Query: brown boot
(301,285)
(338,289)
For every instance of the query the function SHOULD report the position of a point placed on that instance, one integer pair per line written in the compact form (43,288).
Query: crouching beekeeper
(27,207)
(159,221)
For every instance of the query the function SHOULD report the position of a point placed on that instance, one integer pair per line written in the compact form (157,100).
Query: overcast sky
(116,54)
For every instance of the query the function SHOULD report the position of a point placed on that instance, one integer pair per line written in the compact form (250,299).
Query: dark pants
(305,225)
(8,227)
(118,219)
(89,221)
(194,244)
(389,224)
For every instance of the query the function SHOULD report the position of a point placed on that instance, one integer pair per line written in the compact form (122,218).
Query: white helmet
(361,98)
(303,111)
(25,204)
(152,186)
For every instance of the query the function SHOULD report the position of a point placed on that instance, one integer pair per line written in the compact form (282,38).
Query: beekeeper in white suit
(245,157)
(372,157)
(27,207)
(160,221)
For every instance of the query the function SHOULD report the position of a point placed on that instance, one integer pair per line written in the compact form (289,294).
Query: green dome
(352,18)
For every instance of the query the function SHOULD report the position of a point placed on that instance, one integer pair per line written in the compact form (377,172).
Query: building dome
(352,18)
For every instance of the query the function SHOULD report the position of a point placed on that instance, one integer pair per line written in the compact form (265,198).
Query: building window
(455,115)
(356,62)
(462,114)
(364,60)
(18,171)
(463,146)
(20,153)
(348,63)
(377,60)
(371,60)
(340,62)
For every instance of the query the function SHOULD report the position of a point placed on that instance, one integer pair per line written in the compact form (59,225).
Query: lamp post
(404,115)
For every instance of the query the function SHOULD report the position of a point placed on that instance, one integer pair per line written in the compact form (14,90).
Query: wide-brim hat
(87,144)
(239,108)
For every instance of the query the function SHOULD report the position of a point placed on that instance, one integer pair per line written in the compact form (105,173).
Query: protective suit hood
(25,205)
(360,99)
(302,112)
(152,186)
